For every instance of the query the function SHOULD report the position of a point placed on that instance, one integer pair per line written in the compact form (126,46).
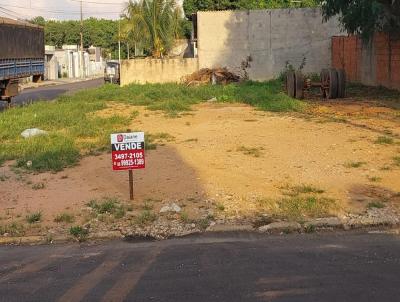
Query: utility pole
(82,56)
(119,41)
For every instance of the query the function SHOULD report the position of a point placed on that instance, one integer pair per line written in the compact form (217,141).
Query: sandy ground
(203,163)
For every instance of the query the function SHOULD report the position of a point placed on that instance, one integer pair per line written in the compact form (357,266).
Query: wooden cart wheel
(333,84)
(341,91)
(299,84)
(324,82)
(290,84)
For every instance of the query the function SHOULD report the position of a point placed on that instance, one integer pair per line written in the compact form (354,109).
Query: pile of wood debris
(211,76)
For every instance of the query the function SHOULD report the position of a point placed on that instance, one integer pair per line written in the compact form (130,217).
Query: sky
(60,9)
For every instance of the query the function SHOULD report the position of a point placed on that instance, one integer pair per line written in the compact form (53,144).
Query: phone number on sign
(131,162)
(128,156)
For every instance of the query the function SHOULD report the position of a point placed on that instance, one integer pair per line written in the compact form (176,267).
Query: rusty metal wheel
(299,84)
(341,84)
(290,84)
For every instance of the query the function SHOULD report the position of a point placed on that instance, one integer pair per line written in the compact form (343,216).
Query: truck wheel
(36,78)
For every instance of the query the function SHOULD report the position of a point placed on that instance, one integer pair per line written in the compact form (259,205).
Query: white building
(68,62)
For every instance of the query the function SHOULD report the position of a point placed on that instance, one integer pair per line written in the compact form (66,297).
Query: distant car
(111,73)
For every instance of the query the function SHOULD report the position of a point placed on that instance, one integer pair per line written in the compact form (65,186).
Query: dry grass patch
(298,208)
(64,218)
(255,152)
(354,164)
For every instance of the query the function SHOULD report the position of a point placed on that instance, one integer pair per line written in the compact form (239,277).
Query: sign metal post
(131,184)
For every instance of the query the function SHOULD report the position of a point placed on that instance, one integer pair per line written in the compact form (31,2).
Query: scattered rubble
(161,229)
(282,226)
(211,76)
(173,207)
(374,217)
(214,227)
(27,133)
(330,222)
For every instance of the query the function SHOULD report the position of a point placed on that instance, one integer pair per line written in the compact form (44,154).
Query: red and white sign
(128,151)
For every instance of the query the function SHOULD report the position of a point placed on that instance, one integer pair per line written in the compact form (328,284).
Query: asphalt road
(226,267)
(51,92)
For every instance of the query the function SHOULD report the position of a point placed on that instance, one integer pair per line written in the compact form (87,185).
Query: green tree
(98,32)
(39,20)
(192,6)
(152,24)
(365,17)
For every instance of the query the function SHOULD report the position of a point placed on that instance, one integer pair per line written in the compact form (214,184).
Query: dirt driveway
(232,157)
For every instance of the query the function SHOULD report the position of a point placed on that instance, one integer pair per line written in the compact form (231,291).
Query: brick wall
(372,63)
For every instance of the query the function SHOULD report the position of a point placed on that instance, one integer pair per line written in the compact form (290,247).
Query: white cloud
(62,9)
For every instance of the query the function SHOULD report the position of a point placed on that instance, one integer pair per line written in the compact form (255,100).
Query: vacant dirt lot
(231,159)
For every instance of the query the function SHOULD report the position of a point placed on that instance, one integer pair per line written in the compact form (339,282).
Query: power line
(7,14)
(10,13)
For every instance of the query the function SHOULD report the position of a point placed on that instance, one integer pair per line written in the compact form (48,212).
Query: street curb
(274,228)
(41,240)
(56,84)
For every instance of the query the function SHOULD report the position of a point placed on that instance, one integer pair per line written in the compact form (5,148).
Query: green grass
(376,205)
(396,160)
(204,223)
(74,130)
(354,164)
(34,217)
(13,229)
(38,186)
(64,217)
(79,232)
(184,217)
(374,178)
(309,229)
(153,140)
(146,217)
(220,207)
(384,140)
(297,208)
(191,140)
(111,206)
(255,152)
(303,189)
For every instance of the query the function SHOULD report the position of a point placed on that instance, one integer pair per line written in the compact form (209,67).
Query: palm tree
(151,24)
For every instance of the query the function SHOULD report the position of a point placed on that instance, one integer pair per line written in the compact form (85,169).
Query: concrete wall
(144,71)
(269,38)
(371,63)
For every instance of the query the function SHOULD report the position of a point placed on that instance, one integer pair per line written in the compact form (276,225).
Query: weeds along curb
(113,235)
(41,240)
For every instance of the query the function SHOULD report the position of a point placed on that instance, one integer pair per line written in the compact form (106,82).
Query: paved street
(226,267)
(51,92)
